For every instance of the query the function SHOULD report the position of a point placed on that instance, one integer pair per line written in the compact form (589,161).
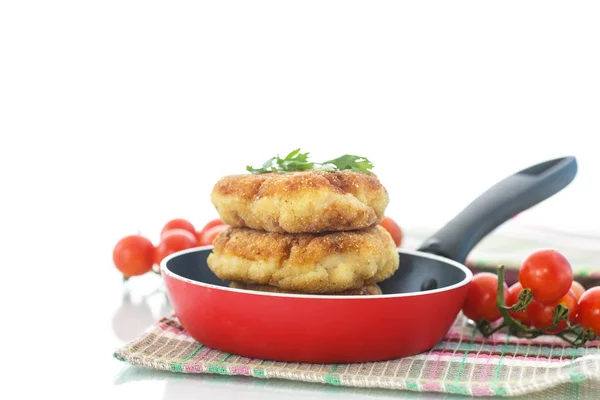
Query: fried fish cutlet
(368,290)
(301,202)
(309,263)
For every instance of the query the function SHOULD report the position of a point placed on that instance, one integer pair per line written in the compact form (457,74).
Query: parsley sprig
(297,161)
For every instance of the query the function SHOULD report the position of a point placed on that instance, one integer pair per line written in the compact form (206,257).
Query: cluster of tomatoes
(549,277)
(136,255)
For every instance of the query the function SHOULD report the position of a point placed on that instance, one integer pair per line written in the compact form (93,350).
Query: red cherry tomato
(394,229)
(133,255)
(578,289)
(209,235)
(548,274)
(512,298)
(541,314)
(588,310)
(172,243)
(209,225)
(178,223)
(481,298)
(212,223)
(180,232)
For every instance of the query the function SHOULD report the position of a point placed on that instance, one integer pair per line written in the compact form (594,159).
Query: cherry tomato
(542,314)
(588,309)
(180,232)
(172,243)
(481,298)
(209,236)
(394,229)
(512,298)
(578,289)
(212,223)
(178,223)
(548,274)
(133,255)
(209,225)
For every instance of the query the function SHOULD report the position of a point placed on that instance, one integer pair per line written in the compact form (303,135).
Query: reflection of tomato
(548,274)
(172,243)
(178,223)
(481,298)
(541,314)
(133,255)
(210,234)
(588,309)
(512,298)
(393,228)
(578,289)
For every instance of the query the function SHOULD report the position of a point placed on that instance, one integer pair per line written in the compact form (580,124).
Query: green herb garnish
(296,161)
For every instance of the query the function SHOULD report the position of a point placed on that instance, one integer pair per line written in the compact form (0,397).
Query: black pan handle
(498,204)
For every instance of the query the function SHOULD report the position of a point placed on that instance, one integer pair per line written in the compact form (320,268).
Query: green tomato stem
(561,313)
(525,299)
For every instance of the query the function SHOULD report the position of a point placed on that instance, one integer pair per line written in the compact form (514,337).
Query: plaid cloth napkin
(464,363)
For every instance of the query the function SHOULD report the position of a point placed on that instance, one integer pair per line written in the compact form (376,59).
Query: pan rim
(455,264)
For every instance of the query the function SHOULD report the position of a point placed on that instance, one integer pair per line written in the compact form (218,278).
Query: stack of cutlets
(304,232)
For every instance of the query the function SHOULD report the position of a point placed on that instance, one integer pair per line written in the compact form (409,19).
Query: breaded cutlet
(301,202)
(323,263)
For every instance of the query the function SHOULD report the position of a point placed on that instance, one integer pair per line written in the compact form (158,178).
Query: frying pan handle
(498,204)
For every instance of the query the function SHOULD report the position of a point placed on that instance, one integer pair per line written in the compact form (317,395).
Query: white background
(116,116)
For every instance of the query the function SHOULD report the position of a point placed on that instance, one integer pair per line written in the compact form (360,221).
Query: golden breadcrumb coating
(301,202)
(308,263)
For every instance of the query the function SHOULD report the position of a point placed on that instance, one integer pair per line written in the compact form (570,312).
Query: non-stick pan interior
(417,271)
(422,272)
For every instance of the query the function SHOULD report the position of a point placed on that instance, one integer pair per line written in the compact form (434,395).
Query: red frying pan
(419,304)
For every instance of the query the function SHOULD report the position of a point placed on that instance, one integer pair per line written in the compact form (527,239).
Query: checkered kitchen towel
(464,362)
